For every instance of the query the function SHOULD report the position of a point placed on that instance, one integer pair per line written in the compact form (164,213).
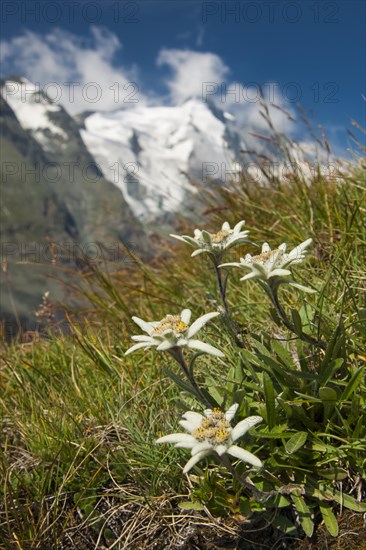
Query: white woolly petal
(274,260)
(182,342)
(193,461)
(180,438)
(225,226)
(185,316)
(194,418)
(165,345)
(231,264)
(179,237)
(187,425)
(251,275)
(244,455)
(200,322)
(299,250)
(143,338)
(265,248)
(138,346)
(242,427)
(206,348)
(238,226)
(236,239)
(221,449)
(184,238)
(198,251)
(303,288)
(260,269)
(203,446)
(279,273)
(144,325)
(230,413)
(282,247)
(186,445)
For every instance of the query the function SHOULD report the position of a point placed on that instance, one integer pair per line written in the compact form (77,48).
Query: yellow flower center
(215,428)
(265,256)
(220,236)
(172,322)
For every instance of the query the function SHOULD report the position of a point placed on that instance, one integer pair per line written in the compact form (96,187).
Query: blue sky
(310,51)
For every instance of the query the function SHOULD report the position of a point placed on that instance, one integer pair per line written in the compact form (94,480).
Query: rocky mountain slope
(52,191)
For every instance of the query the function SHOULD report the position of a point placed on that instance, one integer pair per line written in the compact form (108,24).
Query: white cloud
(61,57)
(191,71)
(204,76)
(245,103)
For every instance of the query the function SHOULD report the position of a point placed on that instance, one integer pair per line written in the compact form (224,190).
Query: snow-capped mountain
(34,110)
(157,155)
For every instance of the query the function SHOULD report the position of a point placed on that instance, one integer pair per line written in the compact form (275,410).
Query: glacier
(157,155)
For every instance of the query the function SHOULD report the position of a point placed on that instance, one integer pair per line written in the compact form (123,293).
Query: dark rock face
(52,191)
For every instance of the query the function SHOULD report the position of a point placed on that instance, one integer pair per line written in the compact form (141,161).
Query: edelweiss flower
(212,433)
(215,243)
(174,331)
(271,264)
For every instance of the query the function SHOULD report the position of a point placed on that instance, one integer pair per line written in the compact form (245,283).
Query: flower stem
(260,496)
(245,484)
(230,322)
(206,400)
(222,289)
(281,312)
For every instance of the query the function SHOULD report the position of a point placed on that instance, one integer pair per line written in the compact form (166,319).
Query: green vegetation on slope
(79,464)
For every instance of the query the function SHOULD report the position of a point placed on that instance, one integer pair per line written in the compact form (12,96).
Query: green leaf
(349,502)
(284,524)
(296,442)
(304,514)
(284,379)
(361,324)
(283,354)
(180,383)
(329,518)
(328,370)
(88,510)
(329,398)
(213,391)
(278,501)
(307,314)
(335,474)
(269,394)
(247,365)
(189,505)
(340,498)
(108,534)
(244,507)
(296,320)
(352,384)
(275,317)
(206,236)
(332,349)
(328,395)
